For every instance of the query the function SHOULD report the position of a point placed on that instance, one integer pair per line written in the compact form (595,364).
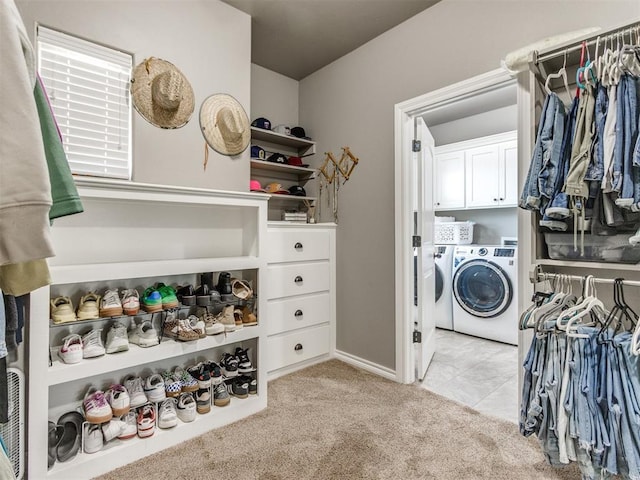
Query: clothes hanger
(562,73)
(581,308)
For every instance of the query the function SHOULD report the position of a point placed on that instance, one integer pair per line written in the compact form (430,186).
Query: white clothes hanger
(562,73)
(635,341)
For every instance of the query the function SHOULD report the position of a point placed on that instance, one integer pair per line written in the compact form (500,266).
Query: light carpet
(333,421)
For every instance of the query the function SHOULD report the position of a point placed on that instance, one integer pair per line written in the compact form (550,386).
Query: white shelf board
(121,452)
(281,168)
(290,198)
(153,268)
(61,372)
(260,134)
(589,265)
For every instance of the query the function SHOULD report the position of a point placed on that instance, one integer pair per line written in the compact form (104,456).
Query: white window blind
(88,86)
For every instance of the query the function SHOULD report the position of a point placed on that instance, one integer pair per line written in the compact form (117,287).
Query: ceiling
(297,37)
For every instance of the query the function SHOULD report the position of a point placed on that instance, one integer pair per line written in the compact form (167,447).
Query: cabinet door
(448,180)
(509,174)
(482,166)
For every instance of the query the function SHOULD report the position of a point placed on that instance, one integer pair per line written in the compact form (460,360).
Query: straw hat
(161,93)
(225,124)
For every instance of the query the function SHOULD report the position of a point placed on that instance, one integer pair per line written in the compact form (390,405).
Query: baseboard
(272,375)
(366,365)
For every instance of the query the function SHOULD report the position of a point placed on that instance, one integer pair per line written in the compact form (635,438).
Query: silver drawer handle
(298,347)
(298,279)
(298,313)
(297,246)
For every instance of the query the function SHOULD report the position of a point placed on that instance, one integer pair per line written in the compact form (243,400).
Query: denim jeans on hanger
(595,171)
(626,135)
(546,154)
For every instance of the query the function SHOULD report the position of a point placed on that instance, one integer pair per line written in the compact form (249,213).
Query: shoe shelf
(61,372)
(130,450)
(301,172)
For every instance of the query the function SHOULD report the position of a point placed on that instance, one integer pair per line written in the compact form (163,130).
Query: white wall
(209,41)
(483,124)
(490,224)
(350,103)
(273,96)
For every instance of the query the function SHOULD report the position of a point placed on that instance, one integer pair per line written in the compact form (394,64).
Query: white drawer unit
(300,292)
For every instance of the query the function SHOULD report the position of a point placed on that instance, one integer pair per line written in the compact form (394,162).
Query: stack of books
(293,216)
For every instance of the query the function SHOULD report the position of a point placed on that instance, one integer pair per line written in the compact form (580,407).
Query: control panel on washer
(504,252)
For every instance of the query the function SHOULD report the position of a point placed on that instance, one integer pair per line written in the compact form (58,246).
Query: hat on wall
(277,158)
(161,93)
(283,129)
(299,132)
(261,122)
(276,188)
(297,190)
(258,152)
(297,162)
(224,124)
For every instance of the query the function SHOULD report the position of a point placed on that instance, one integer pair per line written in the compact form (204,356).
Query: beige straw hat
(225,124)
(162,94)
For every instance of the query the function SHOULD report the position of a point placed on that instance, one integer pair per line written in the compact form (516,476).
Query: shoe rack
(131,236)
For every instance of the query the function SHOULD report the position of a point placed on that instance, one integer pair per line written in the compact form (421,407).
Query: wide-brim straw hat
(225,124)
(162,94)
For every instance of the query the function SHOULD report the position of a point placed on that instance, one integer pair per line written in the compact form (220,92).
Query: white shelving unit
(133,235)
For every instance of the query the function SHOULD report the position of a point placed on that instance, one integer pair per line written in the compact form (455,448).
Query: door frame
(404,115)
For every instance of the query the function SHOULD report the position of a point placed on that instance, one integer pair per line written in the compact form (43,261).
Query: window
(88,86)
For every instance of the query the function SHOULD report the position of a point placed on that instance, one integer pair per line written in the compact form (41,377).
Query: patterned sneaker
(88,306)
(172,384)
(62,310)
(110,305)
(229,365)
(211,325)
(143,334)
(244,362)
(130,426)
(221,397)
(188,383)
(178,329)
(130,301)
(71,350)
(197,325)
(168,296)
(201,373)
(96,408)
(203,400)
(154,388)
(117,340)
(151,300)
(118,398)
(92,345)
(137,397)
(167,416)
(215,372)
(186,408)
(146,421)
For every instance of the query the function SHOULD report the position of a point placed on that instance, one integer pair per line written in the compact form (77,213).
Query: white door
(424,275)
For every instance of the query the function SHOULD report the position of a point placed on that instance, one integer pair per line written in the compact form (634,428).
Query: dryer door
(439,282)
(482,288)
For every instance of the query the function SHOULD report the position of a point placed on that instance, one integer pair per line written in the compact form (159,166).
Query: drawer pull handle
(298,313)
(298,347)
(297,246)
(298,279)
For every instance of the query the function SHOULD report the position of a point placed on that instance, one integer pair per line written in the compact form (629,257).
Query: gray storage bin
(613,249)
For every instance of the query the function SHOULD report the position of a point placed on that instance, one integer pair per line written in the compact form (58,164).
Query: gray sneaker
(220,395)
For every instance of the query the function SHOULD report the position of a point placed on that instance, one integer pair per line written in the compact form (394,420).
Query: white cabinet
(130,236)
(479,173)
(300,294)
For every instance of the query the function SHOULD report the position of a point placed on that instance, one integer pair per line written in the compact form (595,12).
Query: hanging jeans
(546,155)
(626,135)
(595,171)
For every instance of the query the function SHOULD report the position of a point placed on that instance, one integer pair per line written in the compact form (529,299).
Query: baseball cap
(277,158)
(299,132)
(258,152)
(283,129)
(297,190)
(276,188)
(261,122)
(297,162)
(255,186)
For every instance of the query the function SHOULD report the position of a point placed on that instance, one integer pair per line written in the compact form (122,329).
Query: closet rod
(579,278)
(560,51)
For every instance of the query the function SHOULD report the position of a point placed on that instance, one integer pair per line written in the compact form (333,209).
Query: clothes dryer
(444,299)
(485,292)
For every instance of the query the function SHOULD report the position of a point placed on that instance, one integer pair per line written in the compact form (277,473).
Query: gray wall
(490,225)
(273,96)
(350,102)
(209,41)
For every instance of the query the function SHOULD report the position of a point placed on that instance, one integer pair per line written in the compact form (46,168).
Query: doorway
(479,107)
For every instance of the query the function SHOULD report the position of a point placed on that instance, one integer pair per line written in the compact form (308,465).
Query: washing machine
(443,275)
(484,290)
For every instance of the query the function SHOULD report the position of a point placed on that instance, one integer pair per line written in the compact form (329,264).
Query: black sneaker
(201,373)
(253,384)
(203,297)
(215,372)
(238,387)
(244,362)
(187,295)
(229,365)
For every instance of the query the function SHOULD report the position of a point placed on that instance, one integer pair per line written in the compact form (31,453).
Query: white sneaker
(118,398)
(88,306)
(93,440)
(112,429)
(62,310)
(117,340)
(130,301)
(186,408)
(96,408)
(137,398)
(92,345)
(144,335)
(130,427)
(110,305)
(154,388)
(146,421)
(167,416)
(71,350)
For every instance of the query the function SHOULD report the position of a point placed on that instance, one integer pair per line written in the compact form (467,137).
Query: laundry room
(475,236)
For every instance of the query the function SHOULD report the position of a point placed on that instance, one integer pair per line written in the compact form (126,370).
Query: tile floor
(480,373)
